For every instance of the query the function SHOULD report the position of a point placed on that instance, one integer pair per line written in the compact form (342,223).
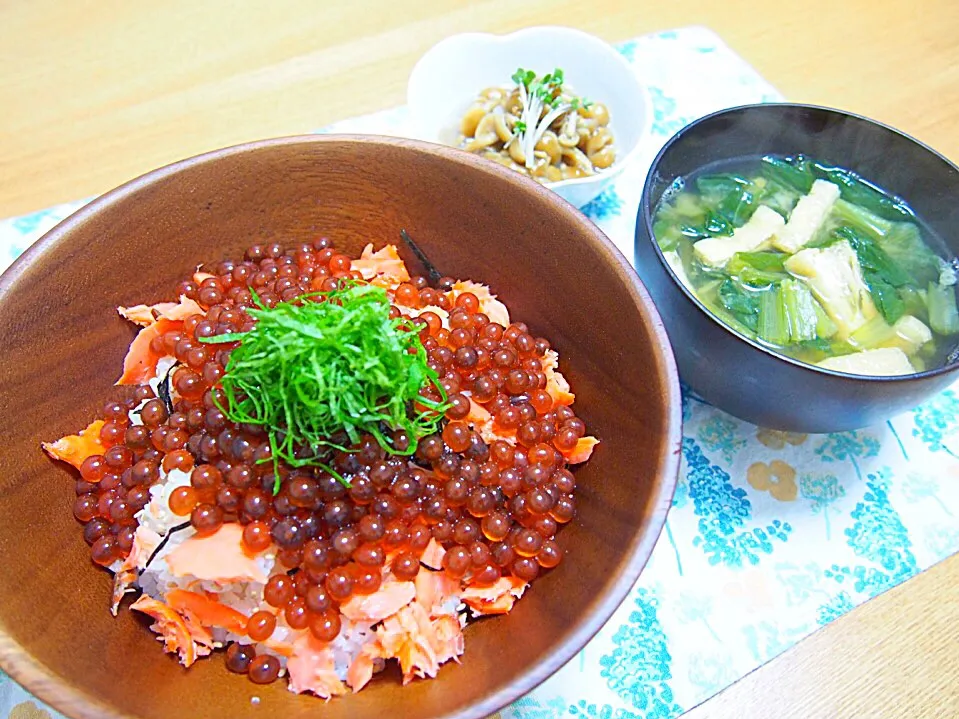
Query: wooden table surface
(95,93)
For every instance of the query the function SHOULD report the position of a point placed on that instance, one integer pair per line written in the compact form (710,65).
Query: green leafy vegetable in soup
(813,261)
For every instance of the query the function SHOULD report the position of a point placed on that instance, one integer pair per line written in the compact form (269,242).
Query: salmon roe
(493,501)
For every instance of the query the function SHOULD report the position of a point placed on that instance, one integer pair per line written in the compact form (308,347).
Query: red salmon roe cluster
(495,506)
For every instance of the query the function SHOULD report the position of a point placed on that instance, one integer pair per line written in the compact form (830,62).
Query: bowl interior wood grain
(63,346)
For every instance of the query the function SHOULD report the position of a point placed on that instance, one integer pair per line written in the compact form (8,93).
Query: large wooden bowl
(63,344)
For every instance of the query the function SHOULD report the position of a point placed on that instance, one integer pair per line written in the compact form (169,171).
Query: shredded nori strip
(163,390)
(162,544)
(431,271)
(422,463)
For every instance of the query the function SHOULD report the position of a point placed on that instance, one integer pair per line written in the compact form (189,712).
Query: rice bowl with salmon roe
(322,464)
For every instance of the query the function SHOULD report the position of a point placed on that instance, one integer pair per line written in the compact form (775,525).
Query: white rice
(163,367)
(348,644)
(246,597)
(156,515)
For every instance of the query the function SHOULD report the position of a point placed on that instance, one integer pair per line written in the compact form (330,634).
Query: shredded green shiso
(329,364)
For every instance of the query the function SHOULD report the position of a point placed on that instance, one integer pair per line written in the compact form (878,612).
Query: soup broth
(813,261)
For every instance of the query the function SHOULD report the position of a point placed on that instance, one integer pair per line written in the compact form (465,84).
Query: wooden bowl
(62,349)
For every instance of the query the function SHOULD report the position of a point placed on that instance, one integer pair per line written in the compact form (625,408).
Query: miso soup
(813,261)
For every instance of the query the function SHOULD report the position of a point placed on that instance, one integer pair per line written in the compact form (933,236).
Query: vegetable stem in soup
(813,261)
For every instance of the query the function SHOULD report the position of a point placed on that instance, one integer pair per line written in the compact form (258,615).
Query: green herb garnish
(524,77)
(543,102)
(330,364)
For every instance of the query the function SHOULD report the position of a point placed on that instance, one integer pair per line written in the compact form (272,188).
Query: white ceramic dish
(450,75)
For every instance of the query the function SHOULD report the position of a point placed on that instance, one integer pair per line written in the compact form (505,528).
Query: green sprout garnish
(523,77)
(326,365)
(543,102)
(550,87)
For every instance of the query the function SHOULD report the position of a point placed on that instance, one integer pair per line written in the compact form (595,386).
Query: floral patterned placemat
(771,534)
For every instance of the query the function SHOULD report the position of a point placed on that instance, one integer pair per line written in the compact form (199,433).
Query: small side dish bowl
(738,374)
(451,74)
(57,636)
